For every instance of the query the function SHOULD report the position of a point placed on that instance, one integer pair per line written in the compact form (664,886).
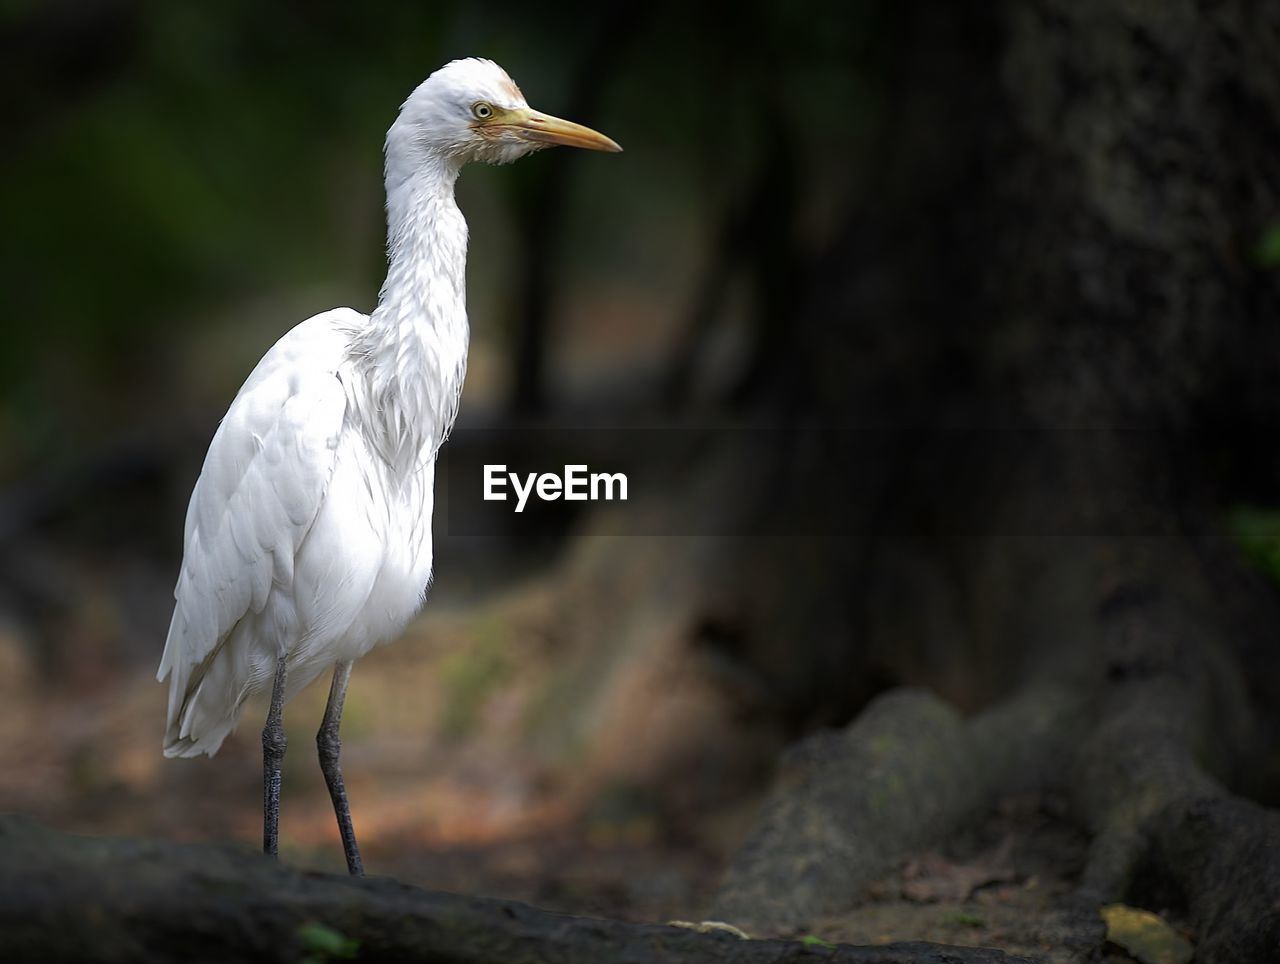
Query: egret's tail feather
(205,702)
(196,727)
(208,743)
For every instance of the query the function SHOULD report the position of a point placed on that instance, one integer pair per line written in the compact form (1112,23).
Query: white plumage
(308,536)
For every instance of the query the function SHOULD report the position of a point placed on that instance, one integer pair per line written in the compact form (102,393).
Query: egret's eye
(482,111)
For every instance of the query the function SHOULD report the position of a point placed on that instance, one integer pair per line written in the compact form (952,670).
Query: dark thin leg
(273,747)
(330,746)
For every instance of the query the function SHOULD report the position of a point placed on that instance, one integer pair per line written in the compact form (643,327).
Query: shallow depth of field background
(182,183)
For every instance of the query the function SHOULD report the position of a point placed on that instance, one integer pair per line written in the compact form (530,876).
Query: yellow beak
(533,125)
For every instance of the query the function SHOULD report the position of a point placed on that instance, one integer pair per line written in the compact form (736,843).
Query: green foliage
(813,940)
(323,944)
(963,918)
(218,154)
(1257,531)
(1267,253)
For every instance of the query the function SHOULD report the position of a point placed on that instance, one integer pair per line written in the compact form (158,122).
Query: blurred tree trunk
(542,212)
(1048,309)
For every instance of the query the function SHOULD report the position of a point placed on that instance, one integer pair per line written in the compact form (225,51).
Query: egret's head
(470,110)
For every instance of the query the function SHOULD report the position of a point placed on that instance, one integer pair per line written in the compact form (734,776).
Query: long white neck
(413,354)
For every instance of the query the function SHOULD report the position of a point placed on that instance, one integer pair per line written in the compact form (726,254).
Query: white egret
(308,535)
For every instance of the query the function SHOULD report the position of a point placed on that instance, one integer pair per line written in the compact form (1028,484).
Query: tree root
(1223,856)
(66,898)
(1143,734)
(851,805)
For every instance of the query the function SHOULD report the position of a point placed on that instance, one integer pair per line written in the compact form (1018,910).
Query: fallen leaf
(1145,936)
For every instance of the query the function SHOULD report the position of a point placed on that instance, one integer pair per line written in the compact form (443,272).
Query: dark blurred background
(183,183)
(869,254)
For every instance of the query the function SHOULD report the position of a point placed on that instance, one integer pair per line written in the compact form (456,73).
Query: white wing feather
(262,484)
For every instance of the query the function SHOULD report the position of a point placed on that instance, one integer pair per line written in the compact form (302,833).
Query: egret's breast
(364,567)
(402,579)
